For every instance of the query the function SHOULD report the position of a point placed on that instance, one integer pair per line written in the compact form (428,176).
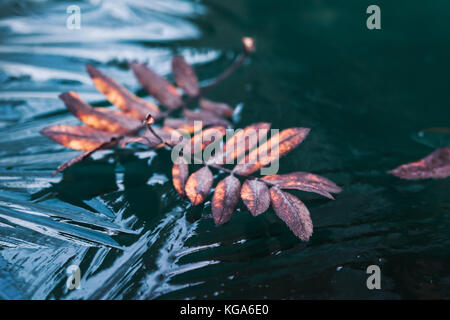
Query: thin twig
(225,74)
(84,155)
(148,122)
(248,48)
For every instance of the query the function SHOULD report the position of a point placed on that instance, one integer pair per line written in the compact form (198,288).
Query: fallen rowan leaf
(225,199)
(157,86)
(98,118)
(199,185)
(199,141)
(241,142)
(436,165)
(120,96)
(219,108)
(180,172)
(207,118)
(82,138)
(181,124)
(185,76)
(293,212)
(275,147)
(304,181)
(255,196)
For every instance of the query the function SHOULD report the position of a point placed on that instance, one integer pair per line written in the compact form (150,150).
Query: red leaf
(185,76)
(157,86)
(219,108)
(304,181)
(180,172)
(225,199)
(436,166)
(120,96)
(169,135)
(255,195)
(293,212)
(204,138)
(241,142)
(98,118)
(82,138)
(272,149)
(199,185)
(181,124)
(207,118)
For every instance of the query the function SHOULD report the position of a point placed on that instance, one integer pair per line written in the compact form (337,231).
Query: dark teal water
(365,94)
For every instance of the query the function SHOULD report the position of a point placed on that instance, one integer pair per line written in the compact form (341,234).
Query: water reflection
(112,215)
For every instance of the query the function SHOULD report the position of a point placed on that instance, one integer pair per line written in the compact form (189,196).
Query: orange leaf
(219,108)
(436,165)
(275,147)
(120,96)
(293,212)
(157,86)
(98,118)
(255,195)
(180,172)
(225,199)
(182,124)
(207,118)
(169,135)
(241,142)
(82,138)
(185,76)
(199,185)
(204,138)
(304,181)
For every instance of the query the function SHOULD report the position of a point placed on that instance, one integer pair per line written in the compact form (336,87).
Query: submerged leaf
(157,86)
(241,142)
(275,147)
(225,199)
(185,76)
(255,195)
(98,118)
(435,138)
(436,165)
(219,108)
(180,172)
(120,96)
(304,181)
(82,138)
(293,212)
(199,185)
